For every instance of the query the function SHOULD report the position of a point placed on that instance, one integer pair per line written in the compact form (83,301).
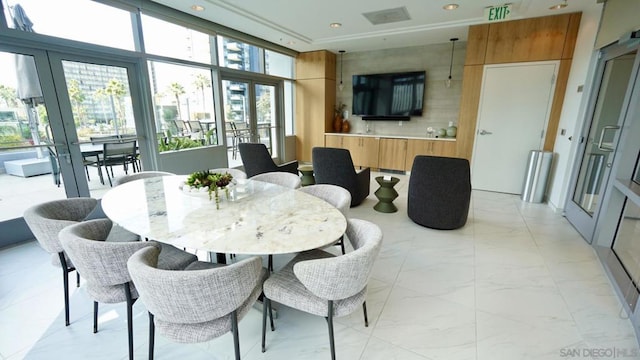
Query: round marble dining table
(255,218)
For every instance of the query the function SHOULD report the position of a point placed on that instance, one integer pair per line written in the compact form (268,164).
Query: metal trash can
(537,175)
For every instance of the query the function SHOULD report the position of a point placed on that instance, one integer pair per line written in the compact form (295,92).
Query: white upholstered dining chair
(202,302)
(103,264)
(335,195)
(322,284)
(45,221)
(139,175)
(285,179)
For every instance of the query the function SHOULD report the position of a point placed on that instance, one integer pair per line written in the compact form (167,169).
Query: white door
(515,104)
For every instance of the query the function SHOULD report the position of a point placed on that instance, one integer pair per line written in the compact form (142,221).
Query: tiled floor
(517,282)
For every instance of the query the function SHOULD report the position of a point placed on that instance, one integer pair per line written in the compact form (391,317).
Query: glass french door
(600,139)
(51,105)
(251,113)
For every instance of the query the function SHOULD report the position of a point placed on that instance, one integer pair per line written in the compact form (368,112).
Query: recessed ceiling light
(335,25)
(562,5)
(197,7)
(451,6)
(291,42)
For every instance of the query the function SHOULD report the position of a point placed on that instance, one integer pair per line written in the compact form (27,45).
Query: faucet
(368,128)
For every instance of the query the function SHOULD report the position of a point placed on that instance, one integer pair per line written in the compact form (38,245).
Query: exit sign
(497,13)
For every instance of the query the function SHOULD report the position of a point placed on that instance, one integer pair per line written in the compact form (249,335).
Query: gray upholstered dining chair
(335,195)
(45,221)
(203,302)
(139,175)
(236,173)
(285,179)
(335,166)
(256,159)
(103,264)
(322,284)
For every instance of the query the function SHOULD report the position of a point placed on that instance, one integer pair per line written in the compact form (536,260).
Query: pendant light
(341,86)
(447,82)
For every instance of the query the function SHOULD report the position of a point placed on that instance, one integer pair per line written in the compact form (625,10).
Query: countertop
(391,136)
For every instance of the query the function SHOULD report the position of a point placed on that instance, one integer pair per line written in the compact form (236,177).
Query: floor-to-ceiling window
(140,75)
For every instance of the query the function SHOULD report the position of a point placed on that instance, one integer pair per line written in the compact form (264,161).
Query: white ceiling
(303,25)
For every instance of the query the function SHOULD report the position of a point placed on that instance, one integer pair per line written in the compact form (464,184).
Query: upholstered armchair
(334,166)
(203,302)
(257,160)
(439,192)
(335,195)
(285,179)
(139,175)
(103,264)
(322,284)
(45,221)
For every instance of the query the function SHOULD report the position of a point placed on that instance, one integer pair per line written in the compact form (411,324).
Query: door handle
(602,133)
(484,132)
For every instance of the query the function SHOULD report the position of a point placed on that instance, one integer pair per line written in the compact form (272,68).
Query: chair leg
(234,329)
(270,266)
(342,244)
(273,328)
(364,309)
(130,301)
(332,344)
(77,279)
(264,321)
(152,332)
(95,317)
(65,285)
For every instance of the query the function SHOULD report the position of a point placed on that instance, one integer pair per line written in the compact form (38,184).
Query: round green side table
(307,175)
(386,194)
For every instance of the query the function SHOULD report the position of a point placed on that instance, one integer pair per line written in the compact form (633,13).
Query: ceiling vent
(387,16)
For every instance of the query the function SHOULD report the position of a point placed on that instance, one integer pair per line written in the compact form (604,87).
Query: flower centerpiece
(212,182)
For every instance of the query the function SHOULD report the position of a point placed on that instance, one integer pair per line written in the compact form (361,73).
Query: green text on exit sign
(497,13)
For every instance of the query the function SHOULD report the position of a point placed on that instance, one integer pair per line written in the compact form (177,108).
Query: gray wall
(441,104)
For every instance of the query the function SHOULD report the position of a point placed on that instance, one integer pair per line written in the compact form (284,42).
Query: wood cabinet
(392,154)
(334,141)
(388,153)
(428,147)
(363,149)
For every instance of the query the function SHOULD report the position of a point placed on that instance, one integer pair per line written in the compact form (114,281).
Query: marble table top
(257,218)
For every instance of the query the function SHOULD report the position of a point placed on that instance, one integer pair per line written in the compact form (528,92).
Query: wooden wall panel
(572,35)
(534,39)
(469,102)
(556,105)
(316,65)
(476,44)
(314,114)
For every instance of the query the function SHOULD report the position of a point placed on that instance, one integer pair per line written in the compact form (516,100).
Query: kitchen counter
(372,135)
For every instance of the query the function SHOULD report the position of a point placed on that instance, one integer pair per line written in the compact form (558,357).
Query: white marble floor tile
(516,282)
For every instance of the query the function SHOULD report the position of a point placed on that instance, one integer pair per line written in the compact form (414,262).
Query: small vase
(452,130)
(346,126)
(337,124)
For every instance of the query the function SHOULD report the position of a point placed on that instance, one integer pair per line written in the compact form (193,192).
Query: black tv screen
(392,96)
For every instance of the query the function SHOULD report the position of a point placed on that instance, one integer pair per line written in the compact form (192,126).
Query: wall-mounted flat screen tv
(391,96)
